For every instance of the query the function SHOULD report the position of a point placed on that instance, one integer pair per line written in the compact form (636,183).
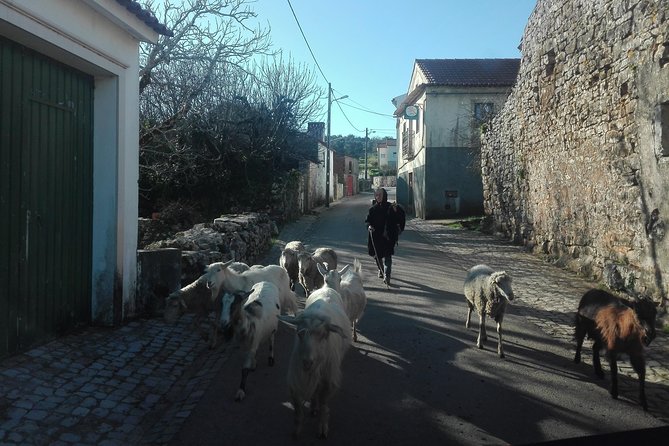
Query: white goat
(288,260)
(349,285)
(310,278)
(253,318)
(488,291)
(314,372)
(196,298)
(221,277)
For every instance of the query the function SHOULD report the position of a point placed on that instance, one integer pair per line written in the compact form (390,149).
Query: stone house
(69,142)
(576,165)
(438,124)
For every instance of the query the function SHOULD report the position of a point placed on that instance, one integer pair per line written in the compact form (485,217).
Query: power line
(306,41)
(369,111)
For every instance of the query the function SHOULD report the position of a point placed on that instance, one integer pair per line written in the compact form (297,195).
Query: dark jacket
(387,228)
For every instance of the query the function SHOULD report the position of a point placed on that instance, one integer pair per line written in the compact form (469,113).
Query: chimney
(316,130)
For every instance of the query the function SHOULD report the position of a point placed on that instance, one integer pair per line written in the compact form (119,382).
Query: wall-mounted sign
(411,112)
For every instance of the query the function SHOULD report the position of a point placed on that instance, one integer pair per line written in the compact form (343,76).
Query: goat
(488,292)
(310,278)
(288,260)
(253,318)
(196,298)
(314,371)
(221,277)
(349,285)
(619,326)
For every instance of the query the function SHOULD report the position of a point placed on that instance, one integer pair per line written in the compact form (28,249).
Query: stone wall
(242,237)
(574,166)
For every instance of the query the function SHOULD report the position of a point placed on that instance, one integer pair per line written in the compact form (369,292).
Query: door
(45,196)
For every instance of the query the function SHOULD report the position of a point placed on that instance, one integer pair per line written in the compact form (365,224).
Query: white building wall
(101,38)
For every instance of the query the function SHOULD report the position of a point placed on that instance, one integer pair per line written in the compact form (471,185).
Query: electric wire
(313,56)
(307,42)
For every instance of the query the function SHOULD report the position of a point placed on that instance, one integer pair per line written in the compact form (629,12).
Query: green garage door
(45,198)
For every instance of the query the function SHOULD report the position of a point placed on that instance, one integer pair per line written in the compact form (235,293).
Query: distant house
(69,144)
(438,125)
(387,154)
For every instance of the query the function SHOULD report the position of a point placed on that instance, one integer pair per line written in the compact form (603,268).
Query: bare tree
(216,104)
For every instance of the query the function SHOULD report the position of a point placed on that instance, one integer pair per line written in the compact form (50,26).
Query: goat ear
(336,329)
(228,263)
(344,269)
(290,320)
(502,293)
(254,308)
(321,269)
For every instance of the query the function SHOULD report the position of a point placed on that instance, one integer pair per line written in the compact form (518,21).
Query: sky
(366,48)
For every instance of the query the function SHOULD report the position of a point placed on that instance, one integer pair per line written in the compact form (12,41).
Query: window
(483,112)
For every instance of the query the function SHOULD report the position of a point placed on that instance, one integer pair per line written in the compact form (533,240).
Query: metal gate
(46,191)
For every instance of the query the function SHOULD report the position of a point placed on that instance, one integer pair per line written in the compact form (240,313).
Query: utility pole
(366,140)
(327,150)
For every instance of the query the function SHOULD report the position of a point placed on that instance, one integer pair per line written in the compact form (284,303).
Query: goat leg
(270,360)
(241,392)
(482,333)
(613,363)
(500,349)
(596,362)
(579,335)
(639,365)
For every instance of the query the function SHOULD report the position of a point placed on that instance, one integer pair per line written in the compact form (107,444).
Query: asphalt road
(415,376)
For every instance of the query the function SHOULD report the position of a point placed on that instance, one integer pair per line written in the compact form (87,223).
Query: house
(387,155)
(69,142)
(438,125)
(347,171)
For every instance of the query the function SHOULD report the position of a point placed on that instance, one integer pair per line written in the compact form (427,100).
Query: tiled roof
(145,16)
(470,72)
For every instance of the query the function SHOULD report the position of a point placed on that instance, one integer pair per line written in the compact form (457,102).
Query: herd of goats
(250,301)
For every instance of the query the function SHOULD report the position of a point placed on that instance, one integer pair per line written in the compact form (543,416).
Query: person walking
(384,225)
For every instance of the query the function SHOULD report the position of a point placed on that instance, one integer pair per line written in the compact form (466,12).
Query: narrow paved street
(415,376)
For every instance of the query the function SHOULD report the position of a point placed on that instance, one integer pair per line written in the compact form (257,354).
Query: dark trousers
(385,264)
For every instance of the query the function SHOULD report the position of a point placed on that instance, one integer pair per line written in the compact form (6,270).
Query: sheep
(221,277)
(288,260)
(314,370)
(488,292)
(619,326)
(196,298)
(310,278)
(349,285)
(253,318)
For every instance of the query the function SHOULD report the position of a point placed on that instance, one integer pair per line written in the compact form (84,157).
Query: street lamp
(327,151)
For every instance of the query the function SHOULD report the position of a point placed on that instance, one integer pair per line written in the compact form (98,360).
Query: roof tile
(470,72)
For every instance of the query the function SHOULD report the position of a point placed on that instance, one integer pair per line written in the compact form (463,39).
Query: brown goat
(619,326)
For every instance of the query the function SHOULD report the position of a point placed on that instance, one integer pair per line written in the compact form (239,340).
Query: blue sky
(366,48)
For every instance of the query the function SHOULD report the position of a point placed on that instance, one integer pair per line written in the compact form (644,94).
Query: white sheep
(252,316)
(196,298)
(488,292)
(221,277)
(310,278)
(314,371)
(288,260)
(348,283)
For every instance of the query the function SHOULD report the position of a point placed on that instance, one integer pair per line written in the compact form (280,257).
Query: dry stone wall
(573,166)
